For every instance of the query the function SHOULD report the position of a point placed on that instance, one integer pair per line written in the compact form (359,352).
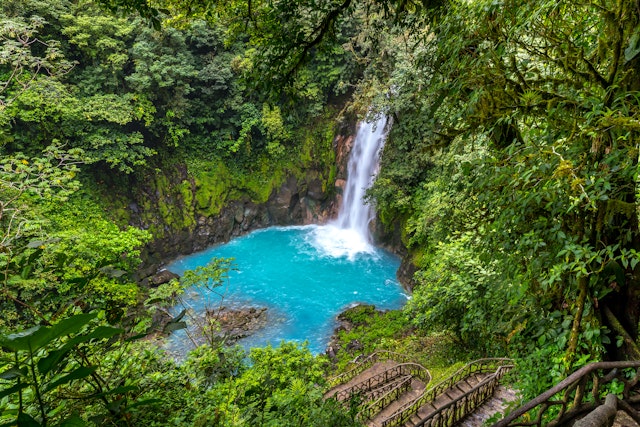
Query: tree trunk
(633,349)
(583,287)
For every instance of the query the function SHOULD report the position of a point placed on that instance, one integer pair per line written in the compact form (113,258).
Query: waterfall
(354,213)
(349,234)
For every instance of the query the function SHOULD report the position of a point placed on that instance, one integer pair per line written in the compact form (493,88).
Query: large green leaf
(14,342)
(46,364)
(74,421)
(26,420)
(14,372)
(37,337)
(79,373)
(16,388)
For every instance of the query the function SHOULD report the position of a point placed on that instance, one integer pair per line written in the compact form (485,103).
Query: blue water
(304,276)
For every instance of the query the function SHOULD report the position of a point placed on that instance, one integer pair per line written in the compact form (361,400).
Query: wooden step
(463,386)
(431,409)
(369,372)
(454,393)
(426,410)
(392,383)
(472,380)
(414,420)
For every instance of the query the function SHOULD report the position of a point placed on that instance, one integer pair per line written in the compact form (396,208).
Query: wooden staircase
(457,391)
(451,400)
(387,393)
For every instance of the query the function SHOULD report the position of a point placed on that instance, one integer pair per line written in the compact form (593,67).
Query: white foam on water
(349,236)
(335,242)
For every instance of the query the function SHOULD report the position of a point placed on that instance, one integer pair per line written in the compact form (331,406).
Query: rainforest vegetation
(510,174)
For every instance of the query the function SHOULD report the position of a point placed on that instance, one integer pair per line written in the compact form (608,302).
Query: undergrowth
(373,330)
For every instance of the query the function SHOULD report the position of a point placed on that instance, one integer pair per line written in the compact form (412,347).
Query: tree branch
(320,31)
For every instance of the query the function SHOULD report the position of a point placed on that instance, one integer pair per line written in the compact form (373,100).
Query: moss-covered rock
(190,202)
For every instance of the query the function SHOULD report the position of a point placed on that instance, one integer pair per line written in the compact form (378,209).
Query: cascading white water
(306,275)
(349,234)
(354,213)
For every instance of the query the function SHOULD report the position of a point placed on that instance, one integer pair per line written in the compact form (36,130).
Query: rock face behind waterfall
(166,200)
(295,202)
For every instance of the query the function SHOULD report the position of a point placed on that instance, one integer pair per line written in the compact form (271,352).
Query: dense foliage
(72,374)
(511,171)
(513,163)
(94,107)
(89,97)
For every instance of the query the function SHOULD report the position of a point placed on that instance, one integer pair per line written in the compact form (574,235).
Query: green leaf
(16,388)
(101,332)
(46,364)
(117,390)
(74,421)
(135,337)
(17,341)
(634,46)
(26,420)
(79,373)
(34,256)
(26,271)
(12,373)
(37,337)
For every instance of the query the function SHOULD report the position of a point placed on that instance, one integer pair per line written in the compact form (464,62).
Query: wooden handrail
(570,406)
(386,398)
(465,404)
(402,414)
(413,369)
(397,379)
(378,356)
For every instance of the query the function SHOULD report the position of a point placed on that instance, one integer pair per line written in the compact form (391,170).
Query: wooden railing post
(571,405)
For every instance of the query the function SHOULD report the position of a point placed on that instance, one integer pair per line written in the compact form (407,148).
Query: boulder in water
(235,324)
(161,277)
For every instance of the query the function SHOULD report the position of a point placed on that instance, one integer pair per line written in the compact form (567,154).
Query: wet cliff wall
(189,204)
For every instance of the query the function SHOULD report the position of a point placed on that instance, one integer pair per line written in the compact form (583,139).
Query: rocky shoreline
(229,325)
(299,200)
(347,320)
(237,323)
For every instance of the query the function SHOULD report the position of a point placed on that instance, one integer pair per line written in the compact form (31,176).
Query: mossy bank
(188,204)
